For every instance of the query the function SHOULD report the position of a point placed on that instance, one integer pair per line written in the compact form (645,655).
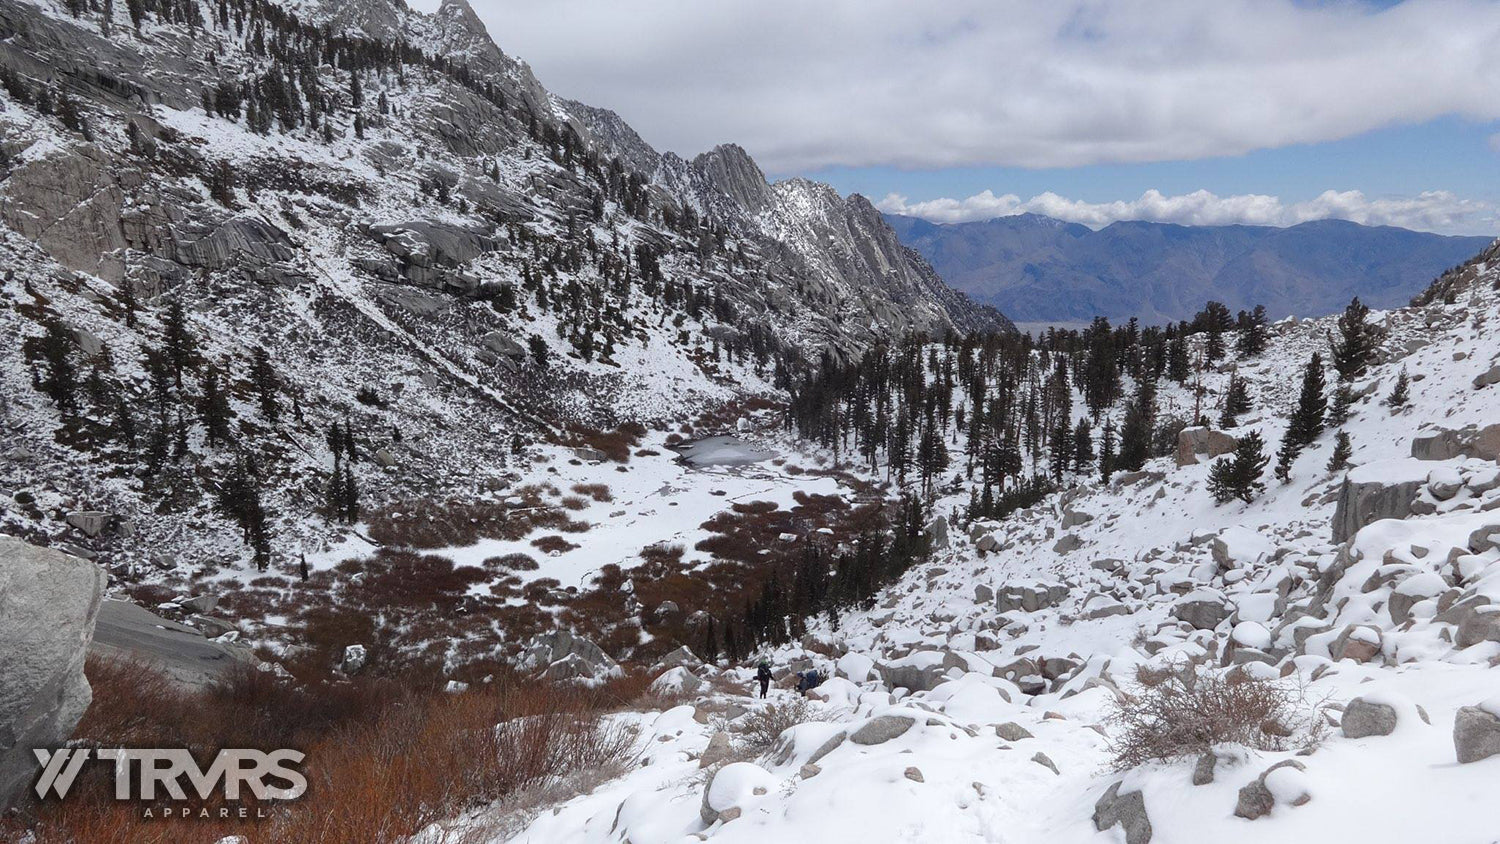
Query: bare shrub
(550,544)
(384,759)
(762,727)
(1182,711)
(598,492)
(514,562)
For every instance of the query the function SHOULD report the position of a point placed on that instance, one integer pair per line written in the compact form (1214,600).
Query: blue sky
(1193,111)
(1448,154)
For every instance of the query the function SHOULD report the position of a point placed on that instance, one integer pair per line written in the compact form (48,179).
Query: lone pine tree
(1354,347)
(1238,475)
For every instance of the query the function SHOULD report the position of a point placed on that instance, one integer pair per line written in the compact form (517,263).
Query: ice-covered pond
(722,450)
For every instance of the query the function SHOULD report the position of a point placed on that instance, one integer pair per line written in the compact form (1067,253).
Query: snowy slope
(1019,653)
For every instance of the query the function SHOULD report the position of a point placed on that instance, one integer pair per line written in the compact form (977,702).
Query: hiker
(808,680)
(763,674)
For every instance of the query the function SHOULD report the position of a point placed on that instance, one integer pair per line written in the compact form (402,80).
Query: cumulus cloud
(1006,82)
(1439,211)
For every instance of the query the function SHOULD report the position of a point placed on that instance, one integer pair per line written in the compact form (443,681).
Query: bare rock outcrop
(48,602)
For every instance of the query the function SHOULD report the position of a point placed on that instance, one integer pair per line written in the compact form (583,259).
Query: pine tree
(1400,394)
(263,376)
(1107,451)
(127,300)
(1343,403)
(350,497)
(1083,446)
(732,645)
(1308,419)
(1236,402)
(1214,320)
(181,347)
(1238,475)
(711,643)
(1354,348)
(1286,455)
(1061,450)
(214,407)
(1135,432)
(61,383)
(239,498)
(221,184)
(1179,367)
(1342,451)
(1253,334)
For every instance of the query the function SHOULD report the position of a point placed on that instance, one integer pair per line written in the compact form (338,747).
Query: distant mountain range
(1038,269)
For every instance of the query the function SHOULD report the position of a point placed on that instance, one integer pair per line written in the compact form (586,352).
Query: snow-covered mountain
(420,238)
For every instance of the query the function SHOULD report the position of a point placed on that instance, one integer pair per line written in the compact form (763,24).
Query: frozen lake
(724,450)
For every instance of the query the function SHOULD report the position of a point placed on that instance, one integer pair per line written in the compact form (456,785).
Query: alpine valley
(361,396)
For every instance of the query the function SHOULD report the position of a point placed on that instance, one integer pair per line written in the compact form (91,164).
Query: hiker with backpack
(763,676)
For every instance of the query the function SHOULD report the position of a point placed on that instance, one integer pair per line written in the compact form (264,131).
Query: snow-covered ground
(975,701)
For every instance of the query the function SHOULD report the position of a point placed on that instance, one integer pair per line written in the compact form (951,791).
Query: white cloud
(1006,82)
(1438,211)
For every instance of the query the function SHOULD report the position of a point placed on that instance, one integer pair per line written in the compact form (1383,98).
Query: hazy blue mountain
(1037,269)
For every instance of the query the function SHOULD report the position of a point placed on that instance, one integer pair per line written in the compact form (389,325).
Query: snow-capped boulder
(681,657)
(1192,442)
(937,533)
(1251,634)
(718,749)
(1478,621)
(1476,731)
(48,603)
(1240,545)
(1069,543)
(1488,377)
(559,655)
(1260,796)
(732,789)
(1011,731)
(676,681)
(1368,718)
(1030,598)
(882,728)
(1128,810)
(1446,443)
(917,672)
(1204,609)
(1412,590)
(354,659)
(854,666)
(91,522)
(1359,642)
(1383,489)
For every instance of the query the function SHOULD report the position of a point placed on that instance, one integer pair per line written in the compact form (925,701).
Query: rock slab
(48,603)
